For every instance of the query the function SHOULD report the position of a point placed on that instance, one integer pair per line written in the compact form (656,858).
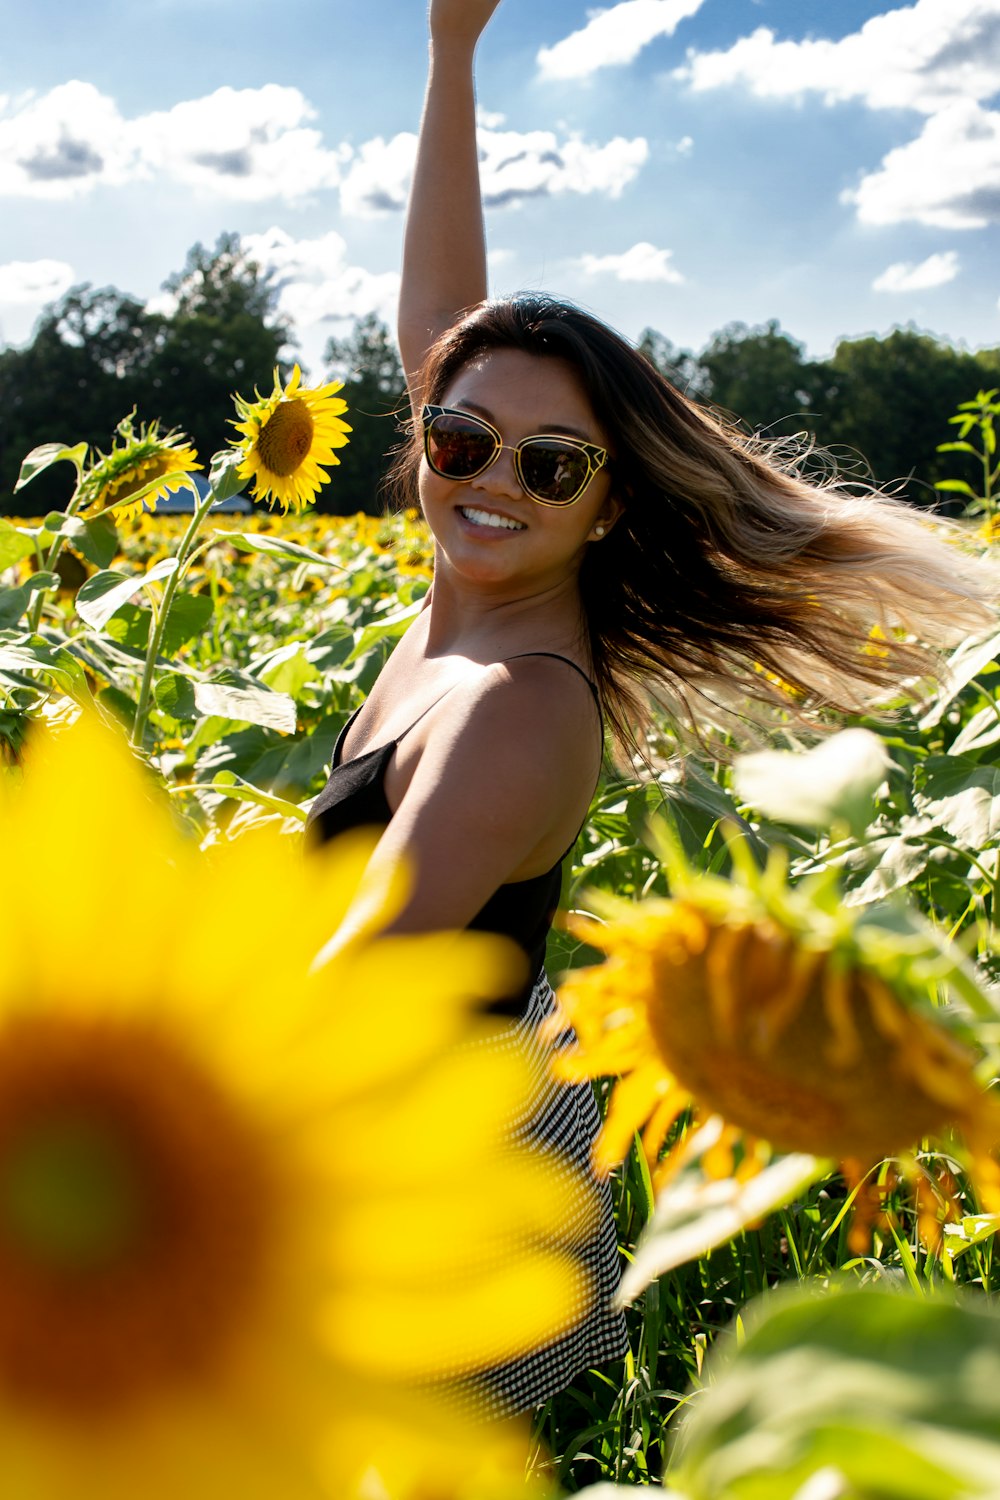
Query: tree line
(880,404)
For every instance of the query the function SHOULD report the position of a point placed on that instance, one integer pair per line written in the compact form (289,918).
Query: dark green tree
(79,375)
(682,368)
(226,335)
(762,377)
(890,398)
(375,391)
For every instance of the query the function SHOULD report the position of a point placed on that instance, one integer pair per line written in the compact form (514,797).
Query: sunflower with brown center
(802,1025)
(141,469)
(288,437)
(237,1217)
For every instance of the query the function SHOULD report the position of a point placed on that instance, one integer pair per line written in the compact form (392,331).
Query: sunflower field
(242,1240)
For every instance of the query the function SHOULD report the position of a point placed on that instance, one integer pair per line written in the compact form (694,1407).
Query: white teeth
(490,518)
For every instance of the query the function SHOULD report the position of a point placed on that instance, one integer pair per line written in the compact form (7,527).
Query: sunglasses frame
(596,457)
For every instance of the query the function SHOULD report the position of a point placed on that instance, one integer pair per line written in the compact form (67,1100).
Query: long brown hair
(732,584)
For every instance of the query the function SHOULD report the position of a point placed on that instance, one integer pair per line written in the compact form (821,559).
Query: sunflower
(288,436)
(790,1022)
(141,468)
(243,1205)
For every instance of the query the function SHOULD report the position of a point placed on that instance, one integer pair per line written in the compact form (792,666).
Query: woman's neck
(467,620)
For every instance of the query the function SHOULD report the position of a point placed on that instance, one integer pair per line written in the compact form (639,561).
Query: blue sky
(674,163)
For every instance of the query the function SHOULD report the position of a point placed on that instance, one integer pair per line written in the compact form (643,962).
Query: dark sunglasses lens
(553,472)
(459,447)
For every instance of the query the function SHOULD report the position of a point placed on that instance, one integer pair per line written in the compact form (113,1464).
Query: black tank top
(354,796)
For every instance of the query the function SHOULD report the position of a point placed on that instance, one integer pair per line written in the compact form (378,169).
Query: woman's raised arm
(444,250)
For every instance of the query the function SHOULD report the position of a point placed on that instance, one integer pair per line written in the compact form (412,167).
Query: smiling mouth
(490,518)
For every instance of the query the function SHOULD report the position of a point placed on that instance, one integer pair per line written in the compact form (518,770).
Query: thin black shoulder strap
(387,744)
(426,711)
(556,657)
(417,720)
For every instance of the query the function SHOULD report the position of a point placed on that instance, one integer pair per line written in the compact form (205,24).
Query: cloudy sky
(674,163)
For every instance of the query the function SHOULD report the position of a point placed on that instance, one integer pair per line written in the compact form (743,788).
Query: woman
(598,538)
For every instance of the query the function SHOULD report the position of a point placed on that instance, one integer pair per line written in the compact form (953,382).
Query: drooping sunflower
(141,468)
(793,1023)
(243,1205)
(288,437)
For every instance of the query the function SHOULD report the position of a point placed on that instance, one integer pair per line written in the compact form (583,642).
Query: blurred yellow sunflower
(242,1204)
(288,436)
(793,1023)
(141,468)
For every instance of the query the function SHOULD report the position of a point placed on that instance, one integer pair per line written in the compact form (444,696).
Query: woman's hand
(460,20)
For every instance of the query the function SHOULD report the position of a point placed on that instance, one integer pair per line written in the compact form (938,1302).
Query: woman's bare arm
(444,249)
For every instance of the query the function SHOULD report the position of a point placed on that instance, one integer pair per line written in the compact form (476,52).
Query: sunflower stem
(52,557)
(159,622)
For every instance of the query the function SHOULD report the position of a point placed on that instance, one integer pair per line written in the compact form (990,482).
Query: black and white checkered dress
(562,1120)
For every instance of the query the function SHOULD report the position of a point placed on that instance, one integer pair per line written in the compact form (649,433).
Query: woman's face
(488,529)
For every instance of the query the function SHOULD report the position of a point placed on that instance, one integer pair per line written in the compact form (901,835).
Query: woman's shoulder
(534,680)
(507,761)
(536,705)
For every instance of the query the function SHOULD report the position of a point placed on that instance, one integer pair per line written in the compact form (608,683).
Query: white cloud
(904,276)
(949,177)
(685,145)
(257,145)
(513,165)
(614,37)
(60,144)
(247,144)
(922,56)
(28,282)
(317,282)
(644,262)
(240,144)
(378,179)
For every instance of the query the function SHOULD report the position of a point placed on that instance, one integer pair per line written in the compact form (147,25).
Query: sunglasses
(550,468)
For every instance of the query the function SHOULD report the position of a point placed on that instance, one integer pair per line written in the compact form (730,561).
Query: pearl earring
(598,530)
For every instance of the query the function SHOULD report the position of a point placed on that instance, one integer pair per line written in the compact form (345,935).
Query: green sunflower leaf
(390,628)
(189,616)
(224,476)
(246,705)
(835,782)
(966,662)
(14,545)
(274,546)
(238,790)
(42,458)
(103,595)
(14,602)
(962,797)
(174,694)
(849,1392)
(695,1213)
(96,538)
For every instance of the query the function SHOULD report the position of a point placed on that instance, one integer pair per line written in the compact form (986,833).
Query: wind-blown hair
(731,584)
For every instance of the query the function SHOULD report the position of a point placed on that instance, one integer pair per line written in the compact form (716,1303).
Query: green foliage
(275,633)
(887,397)
(375,392)
(875,403)
(976,419)
(887,1396)
(762,377)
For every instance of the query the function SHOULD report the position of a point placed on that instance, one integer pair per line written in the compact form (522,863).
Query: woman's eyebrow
(557,427)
